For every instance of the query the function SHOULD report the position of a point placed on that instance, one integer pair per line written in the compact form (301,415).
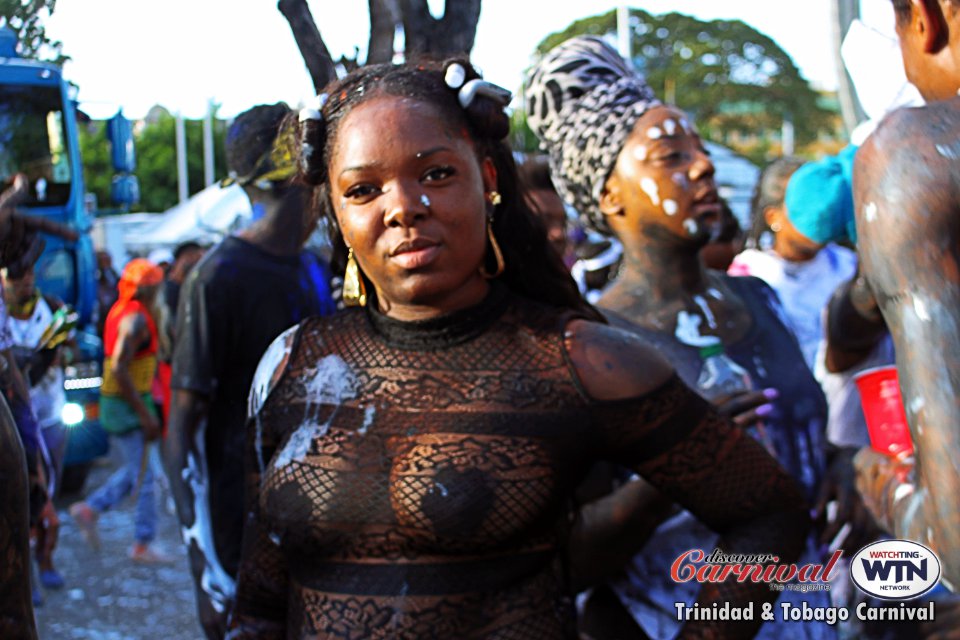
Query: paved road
(108,597)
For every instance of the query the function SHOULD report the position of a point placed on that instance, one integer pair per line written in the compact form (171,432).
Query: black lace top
(411,480)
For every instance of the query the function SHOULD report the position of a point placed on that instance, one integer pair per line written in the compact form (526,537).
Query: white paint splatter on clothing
(707,313)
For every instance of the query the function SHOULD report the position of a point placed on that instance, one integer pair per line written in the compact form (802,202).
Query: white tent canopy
(206,218)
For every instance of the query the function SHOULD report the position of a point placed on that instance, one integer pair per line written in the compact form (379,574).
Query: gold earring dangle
(494,198)
(354,291)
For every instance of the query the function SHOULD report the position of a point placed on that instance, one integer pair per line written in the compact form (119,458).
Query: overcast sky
(182,53)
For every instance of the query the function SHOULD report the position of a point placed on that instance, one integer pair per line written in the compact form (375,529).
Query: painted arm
(908,221)
(645,417)
(186,467)
(133,331)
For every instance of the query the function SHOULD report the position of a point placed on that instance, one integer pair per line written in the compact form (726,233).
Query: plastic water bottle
(721,378)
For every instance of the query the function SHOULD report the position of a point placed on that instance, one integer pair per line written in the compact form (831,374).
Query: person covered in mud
(412,458)
(244,293)
(637,169)
(907,206)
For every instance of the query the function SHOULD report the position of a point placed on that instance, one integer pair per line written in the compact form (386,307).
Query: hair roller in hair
(477,87)
(313,112)
(312,134)
(455,75)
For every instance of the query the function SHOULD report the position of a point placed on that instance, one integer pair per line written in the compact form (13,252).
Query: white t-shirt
(47,397)
(804,288)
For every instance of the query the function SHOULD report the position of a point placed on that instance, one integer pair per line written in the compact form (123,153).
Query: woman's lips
(416,258)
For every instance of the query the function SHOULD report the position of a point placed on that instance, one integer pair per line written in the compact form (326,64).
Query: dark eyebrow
(361,167)
(373,165)
(430,152)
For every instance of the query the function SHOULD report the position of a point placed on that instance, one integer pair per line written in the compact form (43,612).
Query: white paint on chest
(330,383)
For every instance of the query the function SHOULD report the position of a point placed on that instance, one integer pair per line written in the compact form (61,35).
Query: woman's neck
(663,274)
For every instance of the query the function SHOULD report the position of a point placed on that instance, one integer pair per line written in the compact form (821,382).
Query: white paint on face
(681,180)
(640,153)
(691,226)
(670,207)
(425,200)
(654,133)
(870,211)
(650,188)
(685,125)
(707,313)
(713,293)
(669,126)
(920,307)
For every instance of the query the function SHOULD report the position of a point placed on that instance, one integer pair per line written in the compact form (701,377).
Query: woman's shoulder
(613,363)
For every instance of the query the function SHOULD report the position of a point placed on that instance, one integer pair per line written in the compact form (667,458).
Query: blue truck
(39,138)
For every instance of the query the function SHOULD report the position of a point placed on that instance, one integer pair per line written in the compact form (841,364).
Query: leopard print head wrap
(583,100)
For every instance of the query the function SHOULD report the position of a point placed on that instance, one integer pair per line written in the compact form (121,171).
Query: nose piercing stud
(424,200)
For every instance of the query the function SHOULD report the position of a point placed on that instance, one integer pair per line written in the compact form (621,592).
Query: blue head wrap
(819,198)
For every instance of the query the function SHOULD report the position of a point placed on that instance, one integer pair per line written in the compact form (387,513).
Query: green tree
(95,157)
(157,160)
(25,18)
(733,80)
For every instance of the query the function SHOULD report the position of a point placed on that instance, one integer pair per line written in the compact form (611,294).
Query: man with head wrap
(244,293)
(638,169)
(127,411)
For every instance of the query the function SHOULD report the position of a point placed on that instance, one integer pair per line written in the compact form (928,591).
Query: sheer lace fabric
(416,485)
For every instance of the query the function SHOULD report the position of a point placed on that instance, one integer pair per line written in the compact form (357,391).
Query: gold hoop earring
(775,227)
(354,291)
(501,263)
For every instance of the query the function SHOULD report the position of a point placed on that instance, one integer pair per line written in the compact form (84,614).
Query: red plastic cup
(883,409)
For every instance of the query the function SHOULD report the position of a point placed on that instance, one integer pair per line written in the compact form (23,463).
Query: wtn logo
(903,569)
(895,569)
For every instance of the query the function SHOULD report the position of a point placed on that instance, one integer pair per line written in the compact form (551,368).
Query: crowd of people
(446,428)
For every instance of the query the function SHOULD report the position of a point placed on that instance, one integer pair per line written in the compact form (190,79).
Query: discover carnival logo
(895,569)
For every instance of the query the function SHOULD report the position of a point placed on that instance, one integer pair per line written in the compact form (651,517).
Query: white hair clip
(313,112)
(476,87)
(455,75)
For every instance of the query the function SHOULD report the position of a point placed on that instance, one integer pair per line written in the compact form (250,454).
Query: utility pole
(843,13)
(183,187)
(208,145)
(623,33)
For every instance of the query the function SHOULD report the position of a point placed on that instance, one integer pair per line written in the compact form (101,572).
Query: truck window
(33,141)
